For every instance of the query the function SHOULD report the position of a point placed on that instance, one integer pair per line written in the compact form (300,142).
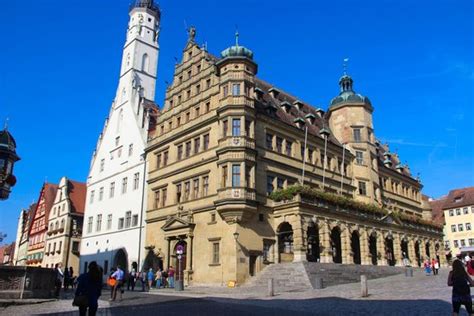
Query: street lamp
(8,157)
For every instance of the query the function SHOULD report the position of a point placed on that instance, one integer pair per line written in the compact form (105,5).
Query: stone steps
(300,276)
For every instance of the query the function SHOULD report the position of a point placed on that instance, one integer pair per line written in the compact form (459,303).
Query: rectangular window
(471,241)
(270,184)
(92,197)
(224,177)
(236,89)
(75,246)
(456,244)
(288,147)
(235,176)
(357,137)
(164,195)
(235,127)
(188,94)
(112,190)
(165,158)
(180,152)
(463,243)
(124,185)
(89,224)
(359,157)
(136,181)
(101,193)
(157,199)
(279,144)
(128,219)
(205,140)
(362,188)
(215,252)
(451,213)
(188,149)
(60,246)
(458,211)
(208,106)
(120,223)
(453,228)
(197,145)
(460,227)
(102,163)
(280,183)
(187,190)
(158,161)
(178,193)
(224,127)
(465,210)
(98,225)
(195,188)
(109,222)
(208,83)
(178,121)
(130,150)
(205,185)
(225,90)
(247,128)
(135,220)
(198,89)
(468,226)
(310,155)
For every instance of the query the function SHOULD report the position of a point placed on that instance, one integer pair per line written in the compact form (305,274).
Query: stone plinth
(26,282)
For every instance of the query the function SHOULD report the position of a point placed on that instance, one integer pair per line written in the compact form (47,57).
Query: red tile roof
(437,209)
(459,198)
(49,196)
(77,195)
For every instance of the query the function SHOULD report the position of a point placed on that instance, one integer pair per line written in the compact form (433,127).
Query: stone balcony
(237,76)
(237,141)
(241,100)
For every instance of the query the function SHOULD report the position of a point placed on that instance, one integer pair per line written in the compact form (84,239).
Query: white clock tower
(113,231)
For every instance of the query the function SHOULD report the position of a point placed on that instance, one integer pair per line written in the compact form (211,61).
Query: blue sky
(413,59)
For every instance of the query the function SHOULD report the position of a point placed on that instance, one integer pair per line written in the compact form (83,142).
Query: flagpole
(325,160)
(304,153)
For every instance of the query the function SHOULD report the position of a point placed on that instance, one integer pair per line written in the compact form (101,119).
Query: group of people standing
(64,278)
(431,266)
(149,279)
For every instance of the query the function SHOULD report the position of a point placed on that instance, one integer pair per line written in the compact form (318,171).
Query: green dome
(237,50)
(347,94)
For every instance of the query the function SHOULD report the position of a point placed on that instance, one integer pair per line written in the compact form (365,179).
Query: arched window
(56,225)
(51,226)
(145,62)
(62,223)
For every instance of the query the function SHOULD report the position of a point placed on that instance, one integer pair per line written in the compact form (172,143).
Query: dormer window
(274,92)
(458,199)
(286,106)
(311,118)
(299,122)
(298,105)
(320,112)
(258,93)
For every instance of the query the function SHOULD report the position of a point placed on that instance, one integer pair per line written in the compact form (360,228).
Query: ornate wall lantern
(8,157)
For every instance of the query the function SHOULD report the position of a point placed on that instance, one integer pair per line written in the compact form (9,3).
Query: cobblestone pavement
(396,295)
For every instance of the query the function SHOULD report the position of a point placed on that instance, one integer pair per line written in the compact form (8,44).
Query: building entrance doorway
(285,242)
(313,251)
(373,248)
(355,247)
(336,245)
(121,260)
(180,264)
(389,251)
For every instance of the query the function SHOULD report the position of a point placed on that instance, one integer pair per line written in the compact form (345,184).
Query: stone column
(411,252)
(189,259)
(381,260)
(299,244)
(397,251)
(168,254)
(347,258)
(364,247)
(442,256)
(325,256)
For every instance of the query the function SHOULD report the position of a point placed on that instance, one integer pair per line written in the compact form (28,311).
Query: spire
(237,38)
(5,126)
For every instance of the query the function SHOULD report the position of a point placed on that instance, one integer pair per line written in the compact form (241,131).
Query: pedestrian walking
(461,283)
(436,267)
(132,278)
(427,266)
(171,273)
(150,278)
(89,289)
(119,277)
(59,279)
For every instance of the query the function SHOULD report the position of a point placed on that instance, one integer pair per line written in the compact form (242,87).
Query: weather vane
(236,36)
(5,127)
(346,60)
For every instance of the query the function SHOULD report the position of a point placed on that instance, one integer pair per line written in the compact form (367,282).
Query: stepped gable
(290,117)
(459,198)
(77,195)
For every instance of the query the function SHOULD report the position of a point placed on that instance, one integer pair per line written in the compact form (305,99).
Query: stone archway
(313,253)
(373,248)
(427,250)
(336,246)
(355,247)
(152,260)
(405,252)
(285,242)
(417,253)
(389,254)
(121,259)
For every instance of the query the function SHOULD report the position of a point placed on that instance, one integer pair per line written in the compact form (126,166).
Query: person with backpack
(461,283)
(88,291)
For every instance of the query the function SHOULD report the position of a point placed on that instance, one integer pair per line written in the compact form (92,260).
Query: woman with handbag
(89,289)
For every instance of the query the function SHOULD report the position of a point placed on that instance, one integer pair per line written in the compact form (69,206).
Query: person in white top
(467,258)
